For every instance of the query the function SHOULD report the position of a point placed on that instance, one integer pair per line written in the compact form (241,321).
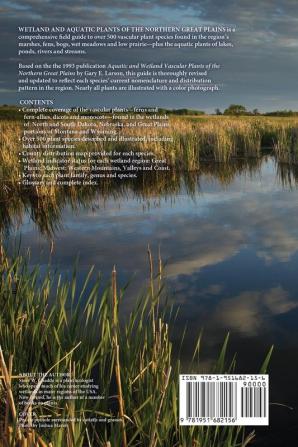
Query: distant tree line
(282,113)
(182,111)
(240,110)
(10,112)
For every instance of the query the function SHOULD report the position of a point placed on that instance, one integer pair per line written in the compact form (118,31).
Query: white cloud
(250,312)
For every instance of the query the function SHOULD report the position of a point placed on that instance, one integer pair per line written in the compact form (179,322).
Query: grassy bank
(49,322)
(192,139)
(197,142)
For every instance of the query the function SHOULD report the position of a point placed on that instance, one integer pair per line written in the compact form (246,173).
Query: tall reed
(51,323)
(186,141)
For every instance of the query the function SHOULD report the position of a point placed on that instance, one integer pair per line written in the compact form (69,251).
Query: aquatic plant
(50,323)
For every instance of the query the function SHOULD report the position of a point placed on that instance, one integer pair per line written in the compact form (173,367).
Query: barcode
(212,399)
(224,399)
(253,402)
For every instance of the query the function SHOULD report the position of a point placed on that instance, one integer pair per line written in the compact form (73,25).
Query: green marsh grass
(47,321)
(193,139)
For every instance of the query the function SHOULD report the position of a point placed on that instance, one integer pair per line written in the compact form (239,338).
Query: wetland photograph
(189,269)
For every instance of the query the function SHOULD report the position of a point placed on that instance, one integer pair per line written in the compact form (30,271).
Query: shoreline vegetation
(195,141)
(220,147)
(183,143)
(49,321)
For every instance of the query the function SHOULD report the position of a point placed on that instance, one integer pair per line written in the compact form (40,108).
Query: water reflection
(45,208)
(228,236)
